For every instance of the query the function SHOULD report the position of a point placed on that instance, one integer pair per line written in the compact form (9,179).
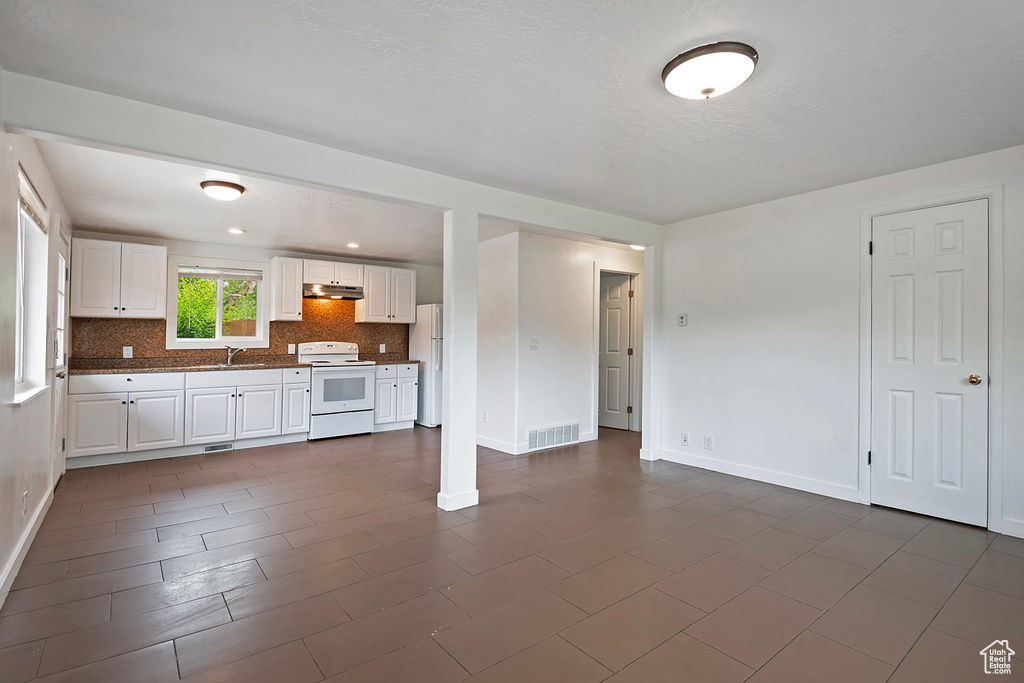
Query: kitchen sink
(224,366)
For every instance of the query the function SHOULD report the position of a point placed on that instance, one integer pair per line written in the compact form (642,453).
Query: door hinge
(871,247)
(869,457)
(631,294)
(629,410)
(629,352)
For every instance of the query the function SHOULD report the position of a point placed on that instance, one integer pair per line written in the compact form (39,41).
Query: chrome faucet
(233,352)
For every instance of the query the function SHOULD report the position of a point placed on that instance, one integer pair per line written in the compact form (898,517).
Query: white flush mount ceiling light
(353,245)
(222,190)
(637,247)
(709,70)
(236,231)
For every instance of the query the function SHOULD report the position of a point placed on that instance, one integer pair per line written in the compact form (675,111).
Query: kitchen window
(30,306)
(213,303)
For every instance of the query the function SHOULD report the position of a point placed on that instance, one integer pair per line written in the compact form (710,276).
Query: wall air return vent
(559,435)
(218,447)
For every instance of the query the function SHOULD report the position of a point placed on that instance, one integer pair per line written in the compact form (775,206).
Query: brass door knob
(974,379)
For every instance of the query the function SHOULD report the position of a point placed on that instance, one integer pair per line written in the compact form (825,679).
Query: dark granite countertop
(198,367)
(397,362)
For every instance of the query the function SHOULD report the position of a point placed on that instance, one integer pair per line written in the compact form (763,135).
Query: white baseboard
(498,445)
(822,488)
(392,426)
(458,501)
(1013,527)
(650,454)
(177,452)
(10,570)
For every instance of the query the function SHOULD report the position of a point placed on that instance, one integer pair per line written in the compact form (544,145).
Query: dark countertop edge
(134,371)
(397,362)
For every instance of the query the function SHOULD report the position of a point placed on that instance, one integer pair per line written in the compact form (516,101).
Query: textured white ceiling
(119,193)
(564,99)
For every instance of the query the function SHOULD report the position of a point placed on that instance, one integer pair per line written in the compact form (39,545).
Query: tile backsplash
(96,339)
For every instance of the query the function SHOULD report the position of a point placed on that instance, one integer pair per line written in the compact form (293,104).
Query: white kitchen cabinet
(407,399)
(286,288)
(385,403)
(115,279)
(258,411)
(316,272)
(209,415)
(295,409)
(155,420)
(389,296)
(97,423)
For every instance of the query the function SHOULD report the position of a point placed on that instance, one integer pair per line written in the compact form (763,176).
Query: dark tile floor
(330,560)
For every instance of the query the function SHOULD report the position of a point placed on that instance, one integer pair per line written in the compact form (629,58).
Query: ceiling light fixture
(353,245)
(709,70)
(222,190)
(236,231)
(637,247)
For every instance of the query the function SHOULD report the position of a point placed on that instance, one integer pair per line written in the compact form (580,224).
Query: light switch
(291,348)
(534,344)
(126,352)
(682,320)
(382,348)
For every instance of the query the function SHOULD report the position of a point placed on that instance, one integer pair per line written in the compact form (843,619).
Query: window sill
(25,396)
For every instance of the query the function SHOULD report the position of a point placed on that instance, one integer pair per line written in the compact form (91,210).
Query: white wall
(557,289)
(25,432)
(429,279)
(769,362)
(497,341)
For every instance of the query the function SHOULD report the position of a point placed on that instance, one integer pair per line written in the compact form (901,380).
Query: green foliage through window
(198,302)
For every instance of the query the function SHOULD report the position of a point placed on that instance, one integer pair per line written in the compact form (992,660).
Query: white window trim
(262,338)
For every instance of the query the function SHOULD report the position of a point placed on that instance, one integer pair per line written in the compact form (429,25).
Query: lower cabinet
(155,420)
(258,411)
(295,409)
(385,403)
(397,394)
(97,423)
(209,415)
(408,398)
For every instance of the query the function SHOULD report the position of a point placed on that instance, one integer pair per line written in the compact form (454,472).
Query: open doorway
(618,351)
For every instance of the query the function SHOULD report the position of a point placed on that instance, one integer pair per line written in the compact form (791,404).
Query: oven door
(342,390)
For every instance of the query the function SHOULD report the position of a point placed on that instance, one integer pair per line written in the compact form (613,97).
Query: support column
(650,441)
(458,411)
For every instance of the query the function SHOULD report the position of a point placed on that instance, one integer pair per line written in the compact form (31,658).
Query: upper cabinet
(118,279)
(286,283)
(332,273)
(389,296)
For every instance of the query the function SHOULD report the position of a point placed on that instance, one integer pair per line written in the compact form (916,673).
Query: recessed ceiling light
(709,70)
(353,245)
(222,190)
(638,247)
(236,231)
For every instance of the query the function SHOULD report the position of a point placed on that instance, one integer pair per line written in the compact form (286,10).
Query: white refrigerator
(425,343)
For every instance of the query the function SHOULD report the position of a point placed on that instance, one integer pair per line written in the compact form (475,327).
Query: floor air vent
(547,437)
(218,447)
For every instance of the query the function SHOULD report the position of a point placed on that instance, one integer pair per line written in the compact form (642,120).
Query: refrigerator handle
(438,322)
(438,345)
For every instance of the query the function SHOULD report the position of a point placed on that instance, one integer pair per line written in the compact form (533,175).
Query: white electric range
(342,389)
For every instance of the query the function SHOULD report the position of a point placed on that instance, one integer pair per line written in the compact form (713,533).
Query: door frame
(994,195)
(636,318)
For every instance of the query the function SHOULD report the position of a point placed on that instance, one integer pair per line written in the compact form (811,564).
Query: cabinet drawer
(231,378)
(408,370)
(152,381)
(386,371)
(295,375)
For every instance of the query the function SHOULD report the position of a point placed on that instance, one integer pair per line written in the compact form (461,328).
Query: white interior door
(61,334)
(929,365)
(613,377)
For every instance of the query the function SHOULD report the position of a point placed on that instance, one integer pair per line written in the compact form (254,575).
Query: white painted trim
(650,454)
(10,572)
(392,426)
(636,334)
(823,488)
(498,445)
(1013,527)
(178,451)
(994,195)
(459,501)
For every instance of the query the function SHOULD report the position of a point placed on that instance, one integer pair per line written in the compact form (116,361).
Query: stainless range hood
(331,292)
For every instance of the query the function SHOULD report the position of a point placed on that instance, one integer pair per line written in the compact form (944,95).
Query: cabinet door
(403,295)
(258,412)
(95,278)
(295,415)
(287,288)
(143,281)
(156,419)
(209,415)
(348,274)
(407,399)
(317,272)
(385,405)
(375,306)
(97,423)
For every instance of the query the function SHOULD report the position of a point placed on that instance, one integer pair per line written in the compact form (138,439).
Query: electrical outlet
(709,443)
(682,320)
(684,439)
(291,348)
(485,416)
(126,352)
(534,344)
(24,503)
(382,346)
